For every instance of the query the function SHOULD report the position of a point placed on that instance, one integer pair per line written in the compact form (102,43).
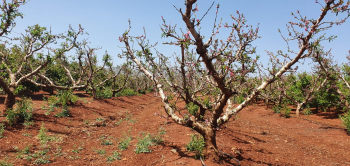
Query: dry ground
(256,137)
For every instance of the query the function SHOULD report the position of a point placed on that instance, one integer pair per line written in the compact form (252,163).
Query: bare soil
(256,137)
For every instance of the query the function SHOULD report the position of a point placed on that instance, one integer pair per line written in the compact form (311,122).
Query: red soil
(256,137)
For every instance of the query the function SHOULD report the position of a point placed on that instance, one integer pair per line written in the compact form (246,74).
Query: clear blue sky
(106,20)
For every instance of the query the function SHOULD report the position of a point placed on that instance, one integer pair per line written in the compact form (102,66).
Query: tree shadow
(2,99)
(178,149)
(107,102)
(260,162)
(121,99)
(330,114)
(235,134)
(36,97)
(82,94)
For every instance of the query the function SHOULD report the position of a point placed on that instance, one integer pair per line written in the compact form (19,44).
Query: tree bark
(200,114)
(211,150)
(10,97)
(297,111)
(93,91)
(9,102)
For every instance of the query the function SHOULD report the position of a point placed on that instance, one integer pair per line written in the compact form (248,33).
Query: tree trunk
(93,91)
(200,114)
(267,103)
(10,97)
(297,111)
(9,102)
(211,150)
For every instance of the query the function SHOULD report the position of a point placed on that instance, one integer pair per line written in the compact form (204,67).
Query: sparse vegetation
(43,137)
(42,160)
(213,75)
(115,156)
(100,119)
(119,122)
(142,146)
(86,122)
(124,143)
(106,141)
(5,162)
(100,151)
(146,140)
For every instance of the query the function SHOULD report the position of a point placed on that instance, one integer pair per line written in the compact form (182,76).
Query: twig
(229,156)
(202,161)
(205,13)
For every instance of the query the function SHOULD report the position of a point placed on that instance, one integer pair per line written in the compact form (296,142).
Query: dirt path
(257,137)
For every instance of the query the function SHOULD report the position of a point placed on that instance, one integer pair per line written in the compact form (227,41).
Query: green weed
(147,140)
(192,108)
(43,137)
(143,145)
(346,121)
(119,122)
(43,160)
(100,151)
(126,92)
(115,156)
(124,143)
(196,145)
(2,130)
(23,111)
(104,93)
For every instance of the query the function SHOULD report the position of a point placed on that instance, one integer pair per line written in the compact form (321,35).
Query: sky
(106,20)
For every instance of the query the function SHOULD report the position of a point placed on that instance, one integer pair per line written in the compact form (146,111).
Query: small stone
(174,151)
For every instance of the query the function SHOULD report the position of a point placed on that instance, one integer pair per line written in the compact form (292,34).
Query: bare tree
(218,64)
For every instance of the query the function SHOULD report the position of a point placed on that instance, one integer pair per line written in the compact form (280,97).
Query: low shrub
(2,130)
(104,93)
(61,100)
(124,143)
(43,137)
(23,111)
(143,145)
(116,156)
(147,140)
(106,142)
(196,145)
(287,112)
(307,111)
(142,91)
(346,120)
(276,109)
(192,108)
(126,92)
(239,99)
